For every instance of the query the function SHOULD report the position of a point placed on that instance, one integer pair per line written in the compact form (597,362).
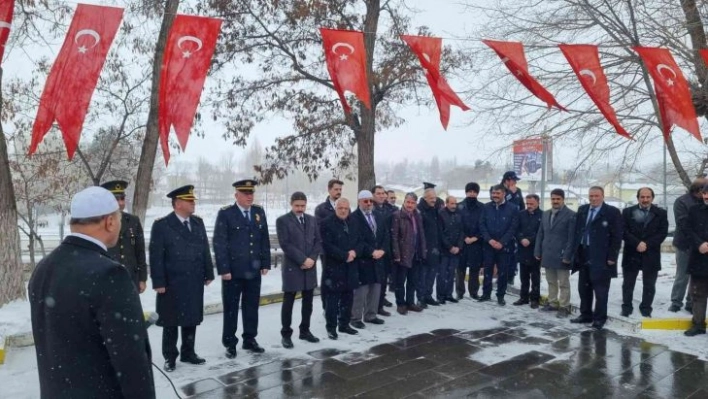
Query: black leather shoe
(384,313)
(387,303)
(597,325)
(625,313)
(307,336)
(169,365)
(332,334)
(358,324)
(348,330)
(375,321)
(252,346)
(459,297)
(688,308)
(473,296)
(287,343)
(520,302)
(484,299)
(453,300)
(580,320)
(691,332)
(645,313)
(432,302)
(194,359)
(674,308)
(501,301)
(231,352)
(441,301)
(534,305)
(422,305)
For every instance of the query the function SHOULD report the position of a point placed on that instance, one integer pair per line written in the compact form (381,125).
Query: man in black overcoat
(83,349)
(180,267)
(645,229)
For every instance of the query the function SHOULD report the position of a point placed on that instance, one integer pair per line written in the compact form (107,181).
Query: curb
(666,324)
(22,340)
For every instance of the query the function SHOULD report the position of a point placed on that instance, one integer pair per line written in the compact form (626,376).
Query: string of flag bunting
(192,40)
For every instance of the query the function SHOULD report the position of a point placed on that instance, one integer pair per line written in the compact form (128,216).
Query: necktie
(371,223)
(302,220)
(187,225)
(586,238)
(247,214)
(553,218)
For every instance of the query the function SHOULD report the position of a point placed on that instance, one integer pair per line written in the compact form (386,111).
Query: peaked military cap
(427,185)
(184,193)
(246,185)
(115,186)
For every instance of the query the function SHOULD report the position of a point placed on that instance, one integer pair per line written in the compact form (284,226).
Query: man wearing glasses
(130,250)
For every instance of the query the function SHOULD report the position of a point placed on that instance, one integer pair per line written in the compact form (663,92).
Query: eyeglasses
(367,201)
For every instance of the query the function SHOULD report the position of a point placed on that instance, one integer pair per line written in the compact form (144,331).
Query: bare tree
(615,25)
(280,42)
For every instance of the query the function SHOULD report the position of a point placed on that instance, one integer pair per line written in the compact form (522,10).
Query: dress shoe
(441,301)
(453,300)
(691,332)
(402,310)
(520,302)
(194,359)
(625,313)
(474,296)
(645,313)
(459,297)
(580,320)
(688,308)
(534,304)
(307,336)
(348,330)
(597,325)
(501,301)
(674,308)
(375,321)
(169,365)
(384,313)
(287,343)
(253,346)
(358,324)
(387,303)
(332,334)
(422,305)
(484,298)
(432,302)
(415,308)
(231,352)
(549,308)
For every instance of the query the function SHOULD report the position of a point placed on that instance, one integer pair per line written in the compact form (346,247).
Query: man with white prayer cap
(87,321)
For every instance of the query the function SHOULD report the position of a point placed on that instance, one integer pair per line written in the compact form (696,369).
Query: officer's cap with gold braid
(184,193)
(117,187)
(246,185)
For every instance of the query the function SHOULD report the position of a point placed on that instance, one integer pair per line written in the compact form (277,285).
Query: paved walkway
(554,360)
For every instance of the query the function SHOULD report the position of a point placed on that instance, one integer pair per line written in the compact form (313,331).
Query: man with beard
(322,212)
(471,211)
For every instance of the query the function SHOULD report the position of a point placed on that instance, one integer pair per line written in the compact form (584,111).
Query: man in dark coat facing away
(340,241)
(374,239)
(598,237)
(242,253)
(471,211)
(180,267)
(697,234)
(130,249)
(299,237)
(75,293)
(645,229)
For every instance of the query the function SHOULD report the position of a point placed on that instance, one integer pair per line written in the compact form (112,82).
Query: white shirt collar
(181,219)
(90,239)
(243,210)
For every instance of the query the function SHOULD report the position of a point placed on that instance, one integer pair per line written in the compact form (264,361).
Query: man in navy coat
(598,237)
(180,267)
(242,252)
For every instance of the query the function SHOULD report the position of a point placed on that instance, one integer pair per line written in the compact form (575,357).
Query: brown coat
(403,240)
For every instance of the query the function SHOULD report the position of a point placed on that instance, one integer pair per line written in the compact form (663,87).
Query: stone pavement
(550,360)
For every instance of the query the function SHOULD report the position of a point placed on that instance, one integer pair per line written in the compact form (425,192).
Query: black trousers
(472,282)
(169,342)
(233,293)
(530,274)
(699,292)
(589,287)
(648,288)
(339,308)
(405,279)
(384,284)
(286,312)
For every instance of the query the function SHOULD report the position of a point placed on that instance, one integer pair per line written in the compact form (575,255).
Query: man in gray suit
(554,248)
(299,237)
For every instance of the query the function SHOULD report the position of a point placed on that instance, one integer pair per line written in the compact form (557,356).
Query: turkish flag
(585,61)
(188,52)
(429,51)
(672,92)
(75,73)
(512,54)
(346,63)
(6,9)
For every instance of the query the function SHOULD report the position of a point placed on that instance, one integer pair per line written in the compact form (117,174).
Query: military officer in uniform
(180,267)
(242,252)
(130,250)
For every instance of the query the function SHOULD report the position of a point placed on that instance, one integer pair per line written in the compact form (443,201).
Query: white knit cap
(93,201)
(365,194)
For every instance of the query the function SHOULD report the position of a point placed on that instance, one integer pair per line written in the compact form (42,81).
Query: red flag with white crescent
(188,53)
(346,63)
(75,73)
(512,54)
(672,92)
(585,61)
(7,7)
(429,51)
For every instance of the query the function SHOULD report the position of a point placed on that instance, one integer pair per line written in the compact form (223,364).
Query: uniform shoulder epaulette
(223,208)
(197,217)
(160,218)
